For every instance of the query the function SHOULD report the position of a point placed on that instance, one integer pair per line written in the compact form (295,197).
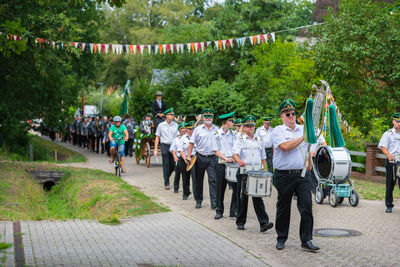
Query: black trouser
(83,141)
(270,154)
(258,204)
(221,186)
(287,183)
(168,163)
(186,177)
(107,145)
(202,164)
(97,143)
(390,183)
(74,138)
(129,147)
(177,177)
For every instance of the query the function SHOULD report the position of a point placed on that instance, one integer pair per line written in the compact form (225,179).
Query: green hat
(190,124)
(227,116)
(267,119)
(169,111)
(207,111)
(396,116)
(237,122)
(249,120)
(287,104)
(181,125)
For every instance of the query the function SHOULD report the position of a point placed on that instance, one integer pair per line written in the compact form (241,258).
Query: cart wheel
(319,195)
(333,198)
(354,199)
(137,160)
(148,154)
(340,200)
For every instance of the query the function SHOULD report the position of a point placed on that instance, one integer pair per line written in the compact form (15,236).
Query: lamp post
(101,96)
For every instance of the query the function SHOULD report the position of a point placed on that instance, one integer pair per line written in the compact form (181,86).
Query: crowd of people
(189,149)
(279,150)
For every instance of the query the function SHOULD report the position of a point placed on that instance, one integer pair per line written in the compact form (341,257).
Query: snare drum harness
(252,149)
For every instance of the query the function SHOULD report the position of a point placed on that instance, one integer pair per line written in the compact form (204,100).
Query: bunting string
(159,49)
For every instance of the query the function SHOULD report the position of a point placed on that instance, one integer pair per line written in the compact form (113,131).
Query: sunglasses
(232,120)
(291,113)
(190,129)
(208,116)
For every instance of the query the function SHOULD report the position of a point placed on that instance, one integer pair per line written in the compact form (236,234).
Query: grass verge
(44,150)
(373,190)
(81,194)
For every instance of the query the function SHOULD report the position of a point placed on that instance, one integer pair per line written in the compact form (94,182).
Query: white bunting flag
(141,49)
(164,46)
(91,47)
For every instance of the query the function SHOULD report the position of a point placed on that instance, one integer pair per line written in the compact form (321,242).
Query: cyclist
(118,135)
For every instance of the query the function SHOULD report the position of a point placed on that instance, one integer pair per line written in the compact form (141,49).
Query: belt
(206,156)
(296,171)
(165,144)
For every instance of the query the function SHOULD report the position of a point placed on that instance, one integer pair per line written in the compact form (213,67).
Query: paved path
(165,239)
(377,246)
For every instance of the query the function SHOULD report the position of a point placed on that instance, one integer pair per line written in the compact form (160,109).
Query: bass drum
(332,164)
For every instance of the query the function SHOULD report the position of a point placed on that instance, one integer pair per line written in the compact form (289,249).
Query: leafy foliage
(357,52)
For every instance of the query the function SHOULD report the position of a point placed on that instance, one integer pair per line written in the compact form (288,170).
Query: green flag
(124,106)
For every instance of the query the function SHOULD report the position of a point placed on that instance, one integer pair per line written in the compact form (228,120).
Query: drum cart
(332,167)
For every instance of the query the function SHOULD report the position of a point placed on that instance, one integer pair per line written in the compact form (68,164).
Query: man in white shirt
(290,151)
(390,145)
(174,150)
(165,134)
(206,145)
(264,132)
(248,151)
(225,139)
(183,146)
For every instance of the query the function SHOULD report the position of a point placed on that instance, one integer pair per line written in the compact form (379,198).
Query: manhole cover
(332,232)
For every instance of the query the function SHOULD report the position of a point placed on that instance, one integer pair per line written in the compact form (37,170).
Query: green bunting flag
(335,135)
(308,133)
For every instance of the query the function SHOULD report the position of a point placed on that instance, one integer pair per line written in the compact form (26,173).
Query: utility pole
(101,96)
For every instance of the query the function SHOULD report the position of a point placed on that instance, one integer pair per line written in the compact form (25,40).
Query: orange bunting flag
(220,44)
(95,48)
(160,48)
(192,47)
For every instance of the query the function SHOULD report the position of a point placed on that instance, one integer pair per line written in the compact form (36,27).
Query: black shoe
(389,210)
(176,191)
(309,246)
(266,226)
(232,216)
(240,227)
(198,205)
(185,197)
(213,206)
(280,245)
(218,216)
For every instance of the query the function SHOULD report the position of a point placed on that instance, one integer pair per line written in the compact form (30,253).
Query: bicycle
(117,160)
(118,163)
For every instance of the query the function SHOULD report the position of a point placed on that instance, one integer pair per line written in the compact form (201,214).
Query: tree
(43,81)
(357,52)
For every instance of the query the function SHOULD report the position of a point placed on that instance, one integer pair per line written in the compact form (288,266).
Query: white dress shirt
(391,140)
(265,136)
(204,139)
(225,142)
(288,160)
(183,145)
(250,150)
(167,132)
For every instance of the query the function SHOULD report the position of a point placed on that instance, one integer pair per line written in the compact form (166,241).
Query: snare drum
(231,170)
(332,163)
(259,183)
